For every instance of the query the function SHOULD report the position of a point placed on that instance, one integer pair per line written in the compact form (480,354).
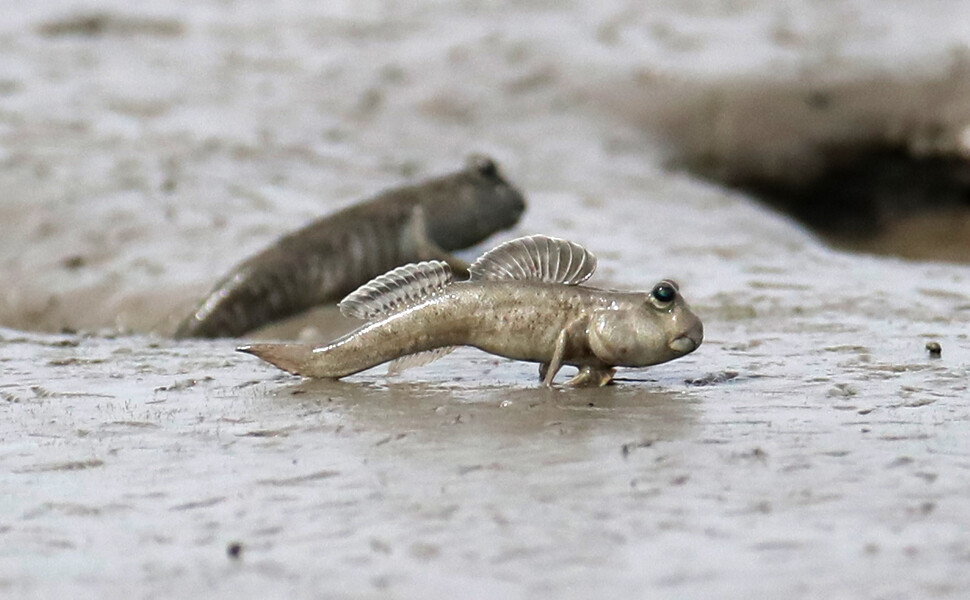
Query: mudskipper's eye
(486,166)
(664,292)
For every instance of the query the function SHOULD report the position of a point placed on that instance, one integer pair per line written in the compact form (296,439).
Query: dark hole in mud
(880,199)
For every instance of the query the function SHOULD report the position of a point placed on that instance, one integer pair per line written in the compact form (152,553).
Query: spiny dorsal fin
(396,290)
(416,360)
(537,257)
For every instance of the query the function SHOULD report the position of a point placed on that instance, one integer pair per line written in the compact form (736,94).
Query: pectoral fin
(555,363)
(569,340)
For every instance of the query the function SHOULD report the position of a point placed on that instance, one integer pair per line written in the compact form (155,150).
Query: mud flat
(812,447)
(773,462)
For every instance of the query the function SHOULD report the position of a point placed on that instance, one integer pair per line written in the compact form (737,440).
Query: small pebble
(73,263)
(934,349)
(234,550)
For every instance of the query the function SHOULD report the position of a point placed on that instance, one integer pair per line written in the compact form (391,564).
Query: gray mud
(133,465)
(810,448)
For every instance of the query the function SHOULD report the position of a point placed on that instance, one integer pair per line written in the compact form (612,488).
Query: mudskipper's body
(522,302)
(332,256)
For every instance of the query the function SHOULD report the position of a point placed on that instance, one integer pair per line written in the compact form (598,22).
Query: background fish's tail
(292,358)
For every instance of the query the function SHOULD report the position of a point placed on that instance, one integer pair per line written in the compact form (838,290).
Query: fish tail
(292,358)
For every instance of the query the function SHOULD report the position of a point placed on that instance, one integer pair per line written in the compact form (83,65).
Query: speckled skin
(330,257)
(551,324)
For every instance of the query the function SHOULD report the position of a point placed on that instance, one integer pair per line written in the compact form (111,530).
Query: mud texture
(134,465)
(811,448)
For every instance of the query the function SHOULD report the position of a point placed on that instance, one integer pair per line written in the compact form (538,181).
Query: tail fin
(292,358)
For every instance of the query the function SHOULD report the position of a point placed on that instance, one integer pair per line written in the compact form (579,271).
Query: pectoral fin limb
(555,363)
(567,339)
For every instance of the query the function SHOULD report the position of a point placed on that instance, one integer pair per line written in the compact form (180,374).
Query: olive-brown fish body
(332,256)
(521,320)
(523,301)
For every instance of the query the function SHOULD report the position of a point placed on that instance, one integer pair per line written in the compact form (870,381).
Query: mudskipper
(523,301)
(332,256)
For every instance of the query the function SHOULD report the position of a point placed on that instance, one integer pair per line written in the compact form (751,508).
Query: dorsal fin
(396,290)
(537,257)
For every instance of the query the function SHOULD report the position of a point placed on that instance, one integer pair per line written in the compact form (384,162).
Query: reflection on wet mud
(509,412)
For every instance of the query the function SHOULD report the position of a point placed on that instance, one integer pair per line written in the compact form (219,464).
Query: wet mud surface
(812,447)
(134,464)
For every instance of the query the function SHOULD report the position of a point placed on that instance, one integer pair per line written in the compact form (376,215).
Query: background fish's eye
(486,166)
(664,292)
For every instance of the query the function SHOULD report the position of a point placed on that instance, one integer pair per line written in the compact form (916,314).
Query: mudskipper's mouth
(683,345)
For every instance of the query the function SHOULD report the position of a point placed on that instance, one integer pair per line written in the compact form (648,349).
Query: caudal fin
(292,358)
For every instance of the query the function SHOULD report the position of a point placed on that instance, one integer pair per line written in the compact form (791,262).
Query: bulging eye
(485,166)
(664,292)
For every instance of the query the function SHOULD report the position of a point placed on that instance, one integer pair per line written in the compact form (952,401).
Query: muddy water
(810,448)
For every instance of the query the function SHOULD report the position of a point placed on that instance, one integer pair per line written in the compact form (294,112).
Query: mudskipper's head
(658,327)
(471,205)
